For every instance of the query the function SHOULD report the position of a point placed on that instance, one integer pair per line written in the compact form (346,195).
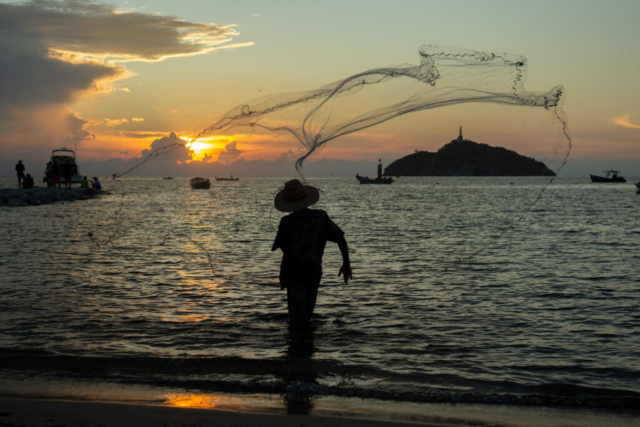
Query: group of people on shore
(24,181)
(54,175)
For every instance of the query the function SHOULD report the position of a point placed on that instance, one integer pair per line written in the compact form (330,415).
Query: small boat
(226,179)
(608,177)
(378,180)
(168,177)
(63,157)
(367,180)
(199,183)
(638,185)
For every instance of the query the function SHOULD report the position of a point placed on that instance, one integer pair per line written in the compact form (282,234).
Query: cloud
(230,153)
(87,29)
(75,126)
(141,134)
(624,121)
(55,52)
(113,123)
(137,119)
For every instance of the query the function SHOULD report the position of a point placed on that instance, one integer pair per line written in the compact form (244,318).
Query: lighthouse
(460,136)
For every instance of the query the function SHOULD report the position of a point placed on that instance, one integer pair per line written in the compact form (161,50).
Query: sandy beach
(58,413)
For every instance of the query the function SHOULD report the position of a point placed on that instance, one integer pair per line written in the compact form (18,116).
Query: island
(462,157)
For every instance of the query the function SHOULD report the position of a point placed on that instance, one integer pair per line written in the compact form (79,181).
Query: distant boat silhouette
(199,183)
(226,179)
(168,177)
(607,177)
(378,180)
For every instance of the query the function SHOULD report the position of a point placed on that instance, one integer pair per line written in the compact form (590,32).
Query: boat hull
(200,183)
(367,180)
(596,178)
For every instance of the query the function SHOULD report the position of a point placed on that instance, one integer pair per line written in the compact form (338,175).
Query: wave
(303,377)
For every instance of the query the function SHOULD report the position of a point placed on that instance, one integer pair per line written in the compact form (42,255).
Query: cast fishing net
(426,104)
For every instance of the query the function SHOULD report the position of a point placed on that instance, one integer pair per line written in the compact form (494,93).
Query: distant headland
(462,157)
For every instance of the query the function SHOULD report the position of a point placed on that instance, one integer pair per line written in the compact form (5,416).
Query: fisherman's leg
(296,305)
(312,296)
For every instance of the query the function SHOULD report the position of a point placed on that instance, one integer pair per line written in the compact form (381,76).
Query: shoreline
(36,196)
(35,400)
(20,411)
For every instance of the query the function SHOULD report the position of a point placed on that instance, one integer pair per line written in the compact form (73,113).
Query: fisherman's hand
(346,270)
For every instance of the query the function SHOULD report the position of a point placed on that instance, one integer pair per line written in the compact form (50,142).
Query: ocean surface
(455,297)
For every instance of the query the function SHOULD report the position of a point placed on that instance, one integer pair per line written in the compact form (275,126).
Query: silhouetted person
(47,175)
(28,181)
(84,183)
(20,172)
(67,173)
(302,236)
(97,185)
(55,174)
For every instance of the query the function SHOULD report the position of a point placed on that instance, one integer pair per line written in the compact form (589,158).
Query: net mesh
(449,87)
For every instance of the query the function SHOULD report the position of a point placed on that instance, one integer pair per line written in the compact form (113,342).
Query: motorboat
(378,180)
(226,179)
(611,176)
(64,157)
(199,183)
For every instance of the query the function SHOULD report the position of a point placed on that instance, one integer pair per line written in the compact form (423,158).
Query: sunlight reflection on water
(552,302)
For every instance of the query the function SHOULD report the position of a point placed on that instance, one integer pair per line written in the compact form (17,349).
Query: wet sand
(58,413)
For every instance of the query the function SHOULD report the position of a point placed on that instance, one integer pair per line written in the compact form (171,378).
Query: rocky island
(462,157)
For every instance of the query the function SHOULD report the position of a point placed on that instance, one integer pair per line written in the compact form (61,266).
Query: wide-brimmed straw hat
(296,196)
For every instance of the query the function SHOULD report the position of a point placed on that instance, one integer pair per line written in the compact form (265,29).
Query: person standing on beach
(20,172)
(67,171)
(55,175)
(302,237)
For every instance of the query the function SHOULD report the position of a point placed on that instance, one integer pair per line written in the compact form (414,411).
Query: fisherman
(302,236)
(20,172)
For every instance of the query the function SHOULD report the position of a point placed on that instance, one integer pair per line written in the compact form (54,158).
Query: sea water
(449,302)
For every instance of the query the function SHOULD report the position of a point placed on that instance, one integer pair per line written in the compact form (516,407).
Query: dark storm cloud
(98,29)
(30,77)
(53,52)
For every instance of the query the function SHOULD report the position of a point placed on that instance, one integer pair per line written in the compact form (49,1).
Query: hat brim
(312,197)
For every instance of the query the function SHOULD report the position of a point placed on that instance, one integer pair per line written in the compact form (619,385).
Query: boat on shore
(199,183)
(63,158)
(378,180)
(218,178)
(611,176)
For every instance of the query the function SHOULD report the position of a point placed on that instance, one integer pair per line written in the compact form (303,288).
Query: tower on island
(460,136)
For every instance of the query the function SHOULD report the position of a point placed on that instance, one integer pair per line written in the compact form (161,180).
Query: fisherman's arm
(346,264)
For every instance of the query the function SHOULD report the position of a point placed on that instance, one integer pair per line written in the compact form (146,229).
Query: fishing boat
(64,157)
(199,183)
(218,178)
(378,180)
(608,177)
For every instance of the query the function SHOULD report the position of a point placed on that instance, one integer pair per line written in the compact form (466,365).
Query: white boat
(63,157)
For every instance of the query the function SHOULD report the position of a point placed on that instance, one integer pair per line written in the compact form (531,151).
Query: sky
(114,80)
